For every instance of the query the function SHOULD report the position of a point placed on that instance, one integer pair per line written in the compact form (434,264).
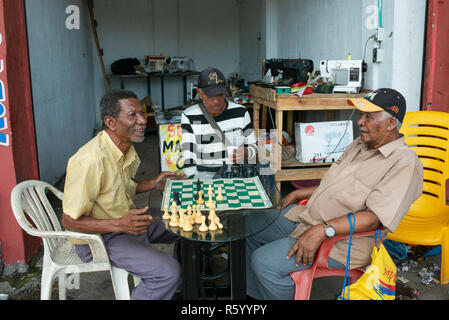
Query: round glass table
(250,205)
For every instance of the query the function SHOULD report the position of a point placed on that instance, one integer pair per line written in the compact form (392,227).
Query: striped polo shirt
(202,149)
(99,180)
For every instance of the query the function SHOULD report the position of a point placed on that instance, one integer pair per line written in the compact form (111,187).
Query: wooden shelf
(263,98)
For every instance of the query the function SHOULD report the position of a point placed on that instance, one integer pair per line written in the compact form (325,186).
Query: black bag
(125,66)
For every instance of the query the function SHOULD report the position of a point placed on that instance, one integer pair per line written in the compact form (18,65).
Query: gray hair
(386,115)
(109,105)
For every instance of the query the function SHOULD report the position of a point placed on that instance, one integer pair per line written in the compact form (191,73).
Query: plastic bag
(379,280)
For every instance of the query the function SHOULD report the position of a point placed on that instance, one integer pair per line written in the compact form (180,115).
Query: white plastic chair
(28,199)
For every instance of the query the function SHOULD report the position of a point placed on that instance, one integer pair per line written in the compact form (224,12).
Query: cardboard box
(318,141)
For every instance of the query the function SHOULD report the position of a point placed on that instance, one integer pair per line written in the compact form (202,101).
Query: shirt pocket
(353,196)
(131,190)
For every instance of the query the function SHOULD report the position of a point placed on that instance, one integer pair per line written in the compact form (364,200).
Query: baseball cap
(212,82)
(386,99)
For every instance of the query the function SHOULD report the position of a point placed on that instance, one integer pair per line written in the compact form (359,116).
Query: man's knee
(260,262)
(173,272)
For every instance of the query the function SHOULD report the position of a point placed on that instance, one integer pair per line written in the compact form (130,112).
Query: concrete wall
(208,31)
(326,29)
(61,75)
(233,35)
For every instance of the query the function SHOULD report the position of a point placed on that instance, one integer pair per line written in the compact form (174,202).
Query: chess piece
(198,189)
(191,215)
(210,202)
(203,227)
(212,214)
(198,215)
(174,207)
(166,215)
(182,218)
(174,222)
(213,226)
(187,226)
(200,197)
(218,223)
(220,194)
(210,190)
(176,198)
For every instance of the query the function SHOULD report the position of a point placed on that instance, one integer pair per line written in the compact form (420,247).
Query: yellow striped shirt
(99,180)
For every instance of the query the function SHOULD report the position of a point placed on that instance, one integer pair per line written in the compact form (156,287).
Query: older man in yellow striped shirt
(99,198)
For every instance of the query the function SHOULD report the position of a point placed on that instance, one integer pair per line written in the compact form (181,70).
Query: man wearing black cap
(377,178)
(204,148)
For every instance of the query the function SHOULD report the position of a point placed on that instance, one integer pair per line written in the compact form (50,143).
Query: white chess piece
(174,207)
(212,214)
(220,195)
(166,215)
(181,218)
(213,225)
(203,226)
(187,224)
(174,222)
(218,223)
(198,217)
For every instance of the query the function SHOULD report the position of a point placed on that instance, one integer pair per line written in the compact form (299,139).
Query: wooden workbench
(264,97)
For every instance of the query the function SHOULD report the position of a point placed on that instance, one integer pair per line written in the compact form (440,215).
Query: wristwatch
(329,231)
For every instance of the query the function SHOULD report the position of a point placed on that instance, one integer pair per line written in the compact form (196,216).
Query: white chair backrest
(29,202)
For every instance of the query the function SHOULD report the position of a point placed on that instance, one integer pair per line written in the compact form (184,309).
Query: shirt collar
(117,154)
(386,149)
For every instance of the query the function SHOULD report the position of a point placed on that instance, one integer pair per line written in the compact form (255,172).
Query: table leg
(279,121)
(190,261)
(184,82)
(237,276)
(162,94)
(264,116)
(290,122)
(256,112)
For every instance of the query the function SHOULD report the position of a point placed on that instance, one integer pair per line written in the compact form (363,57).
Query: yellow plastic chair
(427,222)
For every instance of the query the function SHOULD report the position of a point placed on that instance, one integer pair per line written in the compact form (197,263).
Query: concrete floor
(98,285)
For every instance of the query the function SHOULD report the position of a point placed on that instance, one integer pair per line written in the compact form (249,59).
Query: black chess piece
(198,188)
(176,198)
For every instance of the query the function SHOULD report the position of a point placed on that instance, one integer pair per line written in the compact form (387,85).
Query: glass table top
(236,224)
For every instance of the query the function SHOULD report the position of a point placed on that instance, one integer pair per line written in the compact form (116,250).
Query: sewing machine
(154,63)
(345,74)
(175,64)
(292,70)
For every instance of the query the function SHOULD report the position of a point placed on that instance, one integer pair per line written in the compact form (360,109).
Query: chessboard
(238,193)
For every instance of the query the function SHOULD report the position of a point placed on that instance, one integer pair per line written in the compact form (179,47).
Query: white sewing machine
(346,74)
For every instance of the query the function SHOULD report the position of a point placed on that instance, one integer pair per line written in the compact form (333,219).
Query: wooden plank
(266,94)
(300,174)
(294,163)
(256,113)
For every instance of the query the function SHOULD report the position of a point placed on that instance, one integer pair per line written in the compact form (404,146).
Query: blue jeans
(267,268)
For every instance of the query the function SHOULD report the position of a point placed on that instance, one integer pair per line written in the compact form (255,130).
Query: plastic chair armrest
(326,246)
(95,242)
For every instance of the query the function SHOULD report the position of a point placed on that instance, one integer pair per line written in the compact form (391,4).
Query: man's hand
(136,222)
(159,181)
(289,199)
(307,245)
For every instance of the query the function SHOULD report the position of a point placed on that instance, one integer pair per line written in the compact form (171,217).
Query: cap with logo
(386,99)
(212,82)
